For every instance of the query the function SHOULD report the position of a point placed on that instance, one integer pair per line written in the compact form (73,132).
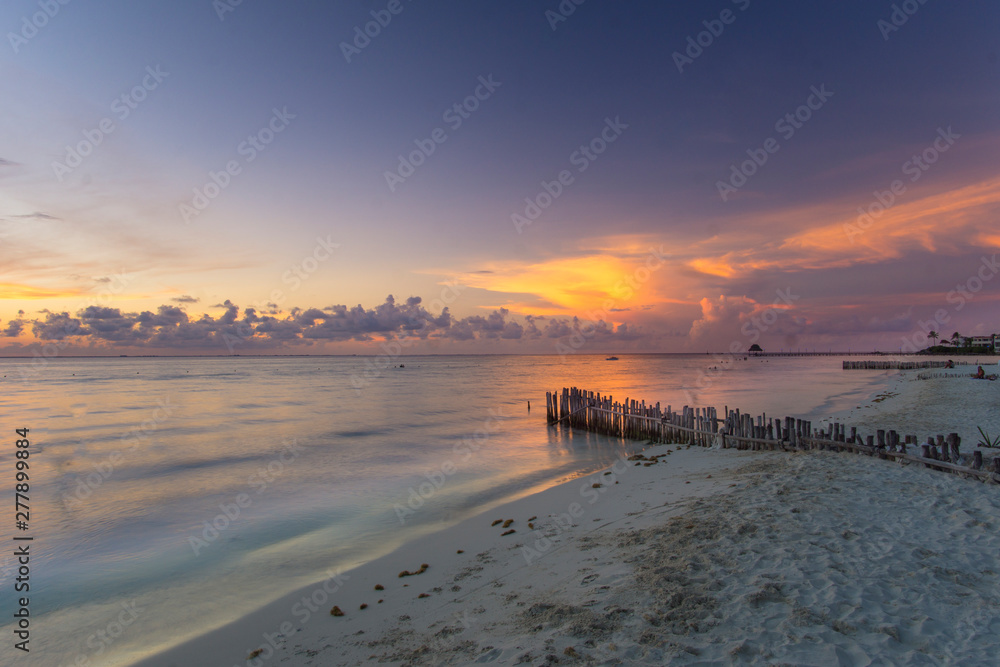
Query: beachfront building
(984,341)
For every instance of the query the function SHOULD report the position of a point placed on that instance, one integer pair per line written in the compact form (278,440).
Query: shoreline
(307,610)
(513,598)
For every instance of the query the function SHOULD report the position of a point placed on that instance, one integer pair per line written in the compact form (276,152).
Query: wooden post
(933,448)
(954,441)
(977,460)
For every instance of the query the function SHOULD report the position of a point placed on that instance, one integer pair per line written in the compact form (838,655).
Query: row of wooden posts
(899,365)
(704,427)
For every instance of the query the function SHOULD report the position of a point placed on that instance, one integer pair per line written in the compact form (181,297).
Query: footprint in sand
(589,578)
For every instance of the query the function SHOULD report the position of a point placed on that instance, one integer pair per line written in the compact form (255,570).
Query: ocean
(169,496)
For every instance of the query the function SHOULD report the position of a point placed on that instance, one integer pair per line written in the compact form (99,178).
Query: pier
(704,427)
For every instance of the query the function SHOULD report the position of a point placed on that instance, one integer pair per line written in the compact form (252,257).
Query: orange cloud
(571,285)
(15,291)
(945,222)
(939,222)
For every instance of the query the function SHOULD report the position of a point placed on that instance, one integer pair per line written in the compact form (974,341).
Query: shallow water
(198,489)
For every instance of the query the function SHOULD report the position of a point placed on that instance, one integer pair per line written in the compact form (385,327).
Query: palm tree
(933,335)
(956,338)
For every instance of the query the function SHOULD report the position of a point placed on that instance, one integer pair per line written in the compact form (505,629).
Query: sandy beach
(704,557)
(928,402)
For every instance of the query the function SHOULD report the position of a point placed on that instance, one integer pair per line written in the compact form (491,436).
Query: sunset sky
(204,177)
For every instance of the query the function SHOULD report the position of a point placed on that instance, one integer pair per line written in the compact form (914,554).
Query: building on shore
(985,341)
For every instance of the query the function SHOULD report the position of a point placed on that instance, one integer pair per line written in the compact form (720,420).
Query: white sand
(807,559)
(922,407)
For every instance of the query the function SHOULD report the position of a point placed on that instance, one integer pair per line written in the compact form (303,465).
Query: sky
(401,176)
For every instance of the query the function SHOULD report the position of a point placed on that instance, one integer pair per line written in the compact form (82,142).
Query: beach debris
(407,573)
(496,522)
(532,518)
(596,485)
(254,653)
(460,551)
(379,602)
(423,595)
(506,524)
(531,526)
(571,652)
(379,587)
(364,605)
(336,611)
(507,532)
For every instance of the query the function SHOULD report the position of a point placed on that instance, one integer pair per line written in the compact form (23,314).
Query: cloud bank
(236,330)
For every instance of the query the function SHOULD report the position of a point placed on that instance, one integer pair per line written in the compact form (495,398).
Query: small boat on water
(611,359)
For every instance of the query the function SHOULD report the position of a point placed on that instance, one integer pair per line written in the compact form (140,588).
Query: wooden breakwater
(898,365)
(704,427)
(934,376)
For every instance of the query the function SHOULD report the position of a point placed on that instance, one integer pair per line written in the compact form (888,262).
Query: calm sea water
(302,465)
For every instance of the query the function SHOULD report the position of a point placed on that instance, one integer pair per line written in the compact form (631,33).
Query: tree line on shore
(957,344)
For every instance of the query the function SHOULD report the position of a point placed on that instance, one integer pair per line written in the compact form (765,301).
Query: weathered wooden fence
(736,430)
(898,365)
